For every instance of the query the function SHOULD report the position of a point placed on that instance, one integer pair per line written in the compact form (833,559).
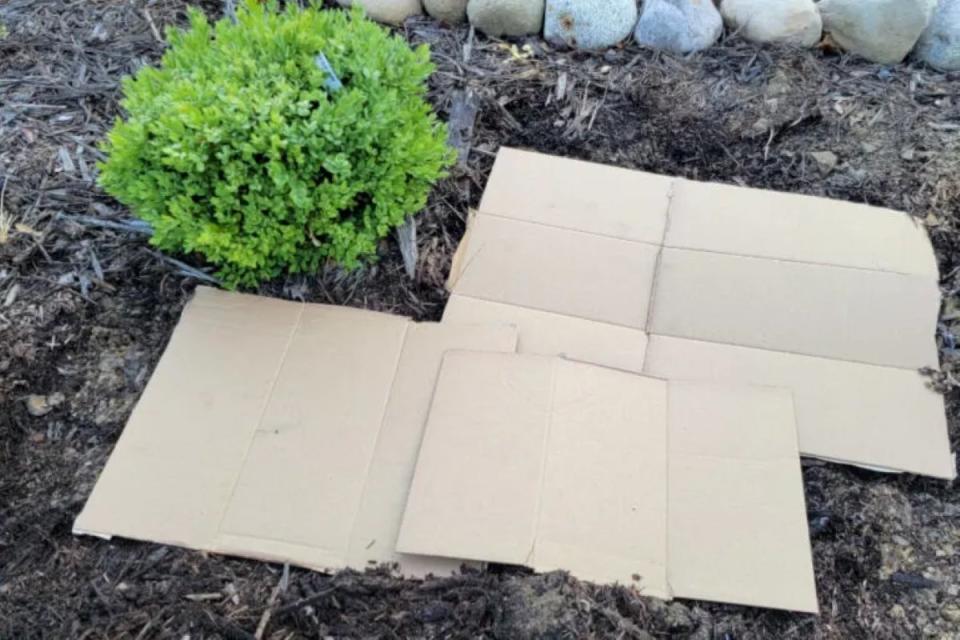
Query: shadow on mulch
(86,311)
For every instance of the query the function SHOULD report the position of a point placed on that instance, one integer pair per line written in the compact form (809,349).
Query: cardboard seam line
(790,353)
(596,234)
(531,555)
(263,412)
(555,313)
(803,497)
(470,296)
(376,442)
(829,265)
(656,266)
(666,503)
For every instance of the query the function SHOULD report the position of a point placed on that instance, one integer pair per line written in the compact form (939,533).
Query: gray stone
(589,24)
(826,160)
(879,30)
(795,22)
(506,17)
(678,26)
(449,11)
(939,44)
(950,612)
(389,11)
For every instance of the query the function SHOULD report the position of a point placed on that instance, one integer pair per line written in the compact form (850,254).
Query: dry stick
(230,10)
(153,27)
(271,604)
(5,221)
(185,269)
(133,226)
(139,226)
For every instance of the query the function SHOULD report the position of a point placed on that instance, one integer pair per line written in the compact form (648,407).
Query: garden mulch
(86,309)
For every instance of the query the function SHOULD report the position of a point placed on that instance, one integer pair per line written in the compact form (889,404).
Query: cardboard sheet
(835,312)
(572,274)
(555,249)
(846,411)
(280,431)
(681,489)
(796,228)
(579,195)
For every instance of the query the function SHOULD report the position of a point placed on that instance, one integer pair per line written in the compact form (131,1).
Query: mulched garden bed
(85,311)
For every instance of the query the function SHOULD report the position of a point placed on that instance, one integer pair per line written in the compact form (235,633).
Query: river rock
(506,17)
(389,11)
(795,22)
(879,30)
(678,26)
(939,44)
(449,11)
(589,24)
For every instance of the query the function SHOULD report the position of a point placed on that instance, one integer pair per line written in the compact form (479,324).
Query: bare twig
(6,220)
(230,10)
(153,27)
(184,269)
(272,603)
(407,238)
(133,226)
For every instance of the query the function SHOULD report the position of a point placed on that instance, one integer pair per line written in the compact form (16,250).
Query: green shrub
(236,149)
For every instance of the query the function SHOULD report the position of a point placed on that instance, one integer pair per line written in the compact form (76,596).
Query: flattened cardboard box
(682,489)
(280,431)
(674,278)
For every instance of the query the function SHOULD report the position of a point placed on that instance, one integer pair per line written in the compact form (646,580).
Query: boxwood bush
(240,147)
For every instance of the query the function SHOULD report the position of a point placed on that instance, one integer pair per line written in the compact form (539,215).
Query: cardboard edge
(77,531)
(459,255)
(948,476)
(797,463)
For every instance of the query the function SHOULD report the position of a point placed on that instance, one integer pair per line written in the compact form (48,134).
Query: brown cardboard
(737,516)
(841,313)
(549,334)
(734,266)
(784,226)
(572,274)
(280,431)
(577,195)
(680,489)
(846,411)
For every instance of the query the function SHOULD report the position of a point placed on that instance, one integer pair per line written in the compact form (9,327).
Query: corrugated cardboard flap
(280,431)
(554,464)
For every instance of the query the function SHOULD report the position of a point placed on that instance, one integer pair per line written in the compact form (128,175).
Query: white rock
(795,22)
(939,45)
(589,24)
(879,30)
(678,26)
(449,11)
(506,17)
(389,11)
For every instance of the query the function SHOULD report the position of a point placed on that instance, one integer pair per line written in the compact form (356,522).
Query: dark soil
(85,312)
